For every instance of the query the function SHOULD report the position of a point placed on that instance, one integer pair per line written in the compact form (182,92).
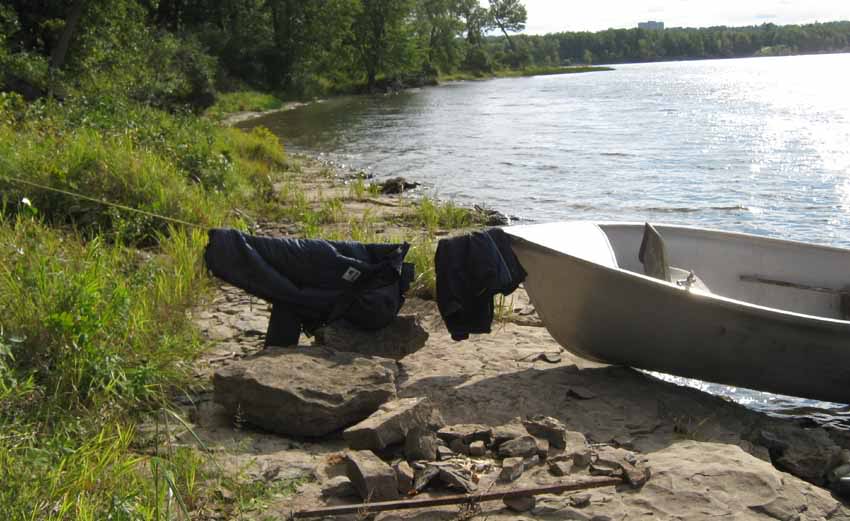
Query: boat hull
(614,316)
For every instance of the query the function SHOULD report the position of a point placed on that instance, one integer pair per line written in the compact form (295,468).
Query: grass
(94,331)
(243,101)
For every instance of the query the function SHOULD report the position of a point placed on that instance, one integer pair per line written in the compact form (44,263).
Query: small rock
(397,185)
(339,486)
(391,423)
(424,476)
(581,393)
(542,448)
(580,500)
(467,432)
(373,479)
(492,217)
(421,444)
(520,504)
(454,478)
(404,475)
(531,461)
(459,447)
(512,469)
(477,448)
(548,428)
(518,447)
(509,431)
(444,453)
(560,468)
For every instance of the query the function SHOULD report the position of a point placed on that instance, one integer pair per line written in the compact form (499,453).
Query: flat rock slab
(373,479)
(466,432)
(402,337)
(391,423)
(305,391)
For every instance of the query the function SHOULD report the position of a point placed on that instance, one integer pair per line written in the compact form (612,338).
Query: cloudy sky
(545,16)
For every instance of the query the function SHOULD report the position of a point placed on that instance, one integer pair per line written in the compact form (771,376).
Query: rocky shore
(409,412)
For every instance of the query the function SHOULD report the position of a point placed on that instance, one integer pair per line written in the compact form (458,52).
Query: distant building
(651,26)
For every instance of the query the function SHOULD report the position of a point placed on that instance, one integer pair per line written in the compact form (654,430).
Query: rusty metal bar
(405,504)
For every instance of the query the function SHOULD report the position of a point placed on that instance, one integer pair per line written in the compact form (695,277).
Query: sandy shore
(710,458)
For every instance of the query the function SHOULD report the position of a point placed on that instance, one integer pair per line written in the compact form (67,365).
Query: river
(757,145)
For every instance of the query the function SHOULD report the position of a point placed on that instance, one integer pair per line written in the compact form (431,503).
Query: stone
(459,447)
(548,428)
(531,461)
(397,185)
(466,432)
(391,423)
(304,392)
(373,479)
(512,469)
(455,478)
(577,449)
(339,486)
(520,504)
(509,431)
(519,447)
(424,476)
(805,453)
(444,453)
(420,444)
(402,337)
(477,449)
(560,468)
(542,448)
(580,500)
(404,475)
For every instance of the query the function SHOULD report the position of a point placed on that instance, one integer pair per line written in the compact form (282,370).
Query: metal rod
(405,504)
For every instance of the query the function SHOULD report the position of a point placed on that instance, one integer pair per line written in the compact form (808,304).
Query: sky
(547,16)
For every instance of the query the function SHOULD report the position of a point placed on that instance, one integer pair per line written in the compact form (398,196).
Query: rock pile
(404,449)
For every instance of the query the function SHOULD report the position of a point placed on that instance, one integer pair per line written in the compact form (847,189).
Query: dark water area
(753,145)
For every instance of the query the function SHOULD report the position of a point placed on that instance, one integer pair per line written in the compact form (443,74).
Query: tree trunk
(510,42)
(57,57)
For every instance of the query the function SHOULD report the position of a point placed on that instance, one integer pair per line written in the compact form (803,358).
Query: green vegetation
(639,45)
(243,101)
(94,333)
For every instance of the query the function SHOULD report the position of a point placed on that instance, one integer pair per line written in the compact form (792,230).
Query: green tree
(380,36)
(508,16)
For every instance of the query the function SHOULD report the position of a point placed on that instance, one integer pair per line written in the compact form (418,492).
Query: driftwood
(461,499)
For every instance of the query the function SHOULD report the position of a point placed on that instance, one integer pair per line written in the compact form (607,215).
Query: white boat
(730,308)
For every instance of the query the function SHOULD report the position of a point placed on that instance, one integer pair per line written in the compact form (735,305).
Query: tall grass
(94,333)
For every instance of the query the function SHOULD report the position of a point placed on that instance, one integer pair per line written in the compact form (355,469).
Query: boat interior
(785,275)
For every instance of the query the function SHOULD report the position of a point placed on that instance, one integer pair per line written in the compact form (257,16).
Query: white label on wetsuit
(351,274)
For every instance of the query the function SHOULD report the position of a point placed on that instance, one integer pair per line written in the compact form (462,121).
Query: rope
(102,201)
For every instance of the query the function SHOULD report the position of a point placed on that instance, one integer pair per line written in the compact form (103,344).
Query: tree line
(180,51)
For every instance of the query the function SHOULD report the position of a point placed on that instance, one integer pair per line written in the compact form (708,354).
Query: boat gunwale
(727,302)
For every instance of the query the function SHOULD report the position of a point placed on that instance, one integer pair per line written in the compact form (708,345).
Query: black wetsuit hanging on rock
(312,282)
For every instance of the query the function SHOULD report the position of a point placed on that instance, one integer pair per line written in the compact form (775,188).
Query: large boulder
(305,391)
(401,337)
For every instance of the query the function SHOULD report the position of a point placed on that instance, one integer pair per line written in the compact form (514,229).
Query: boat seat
(653,256)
